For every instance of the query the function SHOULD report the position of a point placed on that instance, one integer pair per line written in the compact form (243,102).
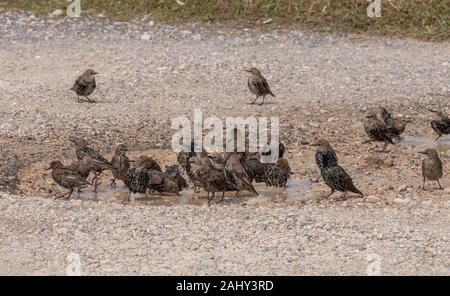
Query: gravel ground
(150,73)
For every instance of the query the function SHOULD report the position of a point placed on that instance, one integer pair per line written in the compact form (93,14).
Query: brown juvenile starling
(258,85)
(237,175)
(213,181)
(85,85)
(377,130)
(431,167)
(120,164)
(97,167)
(440,124)
(395,126)
(149,163)
(257,170)
(66,177)
(83,150)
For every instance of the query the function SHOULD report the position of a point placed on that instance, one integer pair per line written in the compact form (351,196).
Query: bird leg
(254,100)
(113,183)
(440,187)
(438,137)
(221,200)
(78,98)
(89,100)
(332,191)
(67,193)
(423,185)
(213,195)
(262,103)
(195,191)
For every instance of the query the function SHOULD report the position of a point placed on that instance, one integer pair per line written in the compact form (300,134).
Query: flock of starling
(230,171)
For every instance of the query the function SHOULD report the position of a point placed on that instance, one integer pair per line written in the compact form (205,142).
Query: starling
(66,177)
(377,130)
(325,154)
(148,163)
(96,167)
(257,170)
(281,151)
(85,85)
(338,180)
(120,164)
(174,173)
(83,150)
(192,165)
(258,85)
(279,173)
(82,169)
(440,124)
(213,181)
(395,126)
(237,175)
(431,167)
(137,181)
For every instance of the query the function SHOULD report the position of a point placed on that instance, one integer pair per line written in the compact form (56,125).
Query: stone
(373,199)
(57,12)
(145,37)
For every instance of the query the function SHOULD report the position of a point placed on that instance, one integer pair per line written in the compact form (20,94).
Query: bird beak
(47,169)
(422,152)
(431,110)
(314,144)
(95,73)
(245,70)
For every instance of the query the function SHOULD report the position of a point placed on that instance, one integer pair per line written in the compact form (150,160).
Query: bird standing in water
(85,85)
(120,164)
(66,177)
(258,85)
(431,167)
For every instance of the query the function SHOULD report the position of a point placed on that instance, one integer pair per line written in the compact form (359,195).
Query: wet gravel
(150,73)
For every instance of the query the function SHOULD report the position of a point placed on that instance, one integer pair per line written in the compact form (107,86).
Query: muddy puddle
(421,143)
(295,190)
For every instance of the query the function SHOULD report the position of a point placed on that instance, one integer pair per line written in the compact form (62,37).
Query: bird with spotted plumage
(85,85)
(440,123)
(258,85)
(120,164)
(236,173)
(137,180)
(377,130)
(332,173)
(431,167)
(67,178)
(278,174)
(83,150)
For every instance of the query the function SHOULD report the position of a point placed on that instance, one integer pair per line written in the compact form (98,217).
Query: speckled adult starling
(431,167)
(237,175)
(377,130)
(81,167)
(85,85)
(120,164)
(325,154)
(137,181)
(279,173)
(258,85)
(66,177)
(97,168)
(338,180)
(440,124)
(83,150)
(395,126)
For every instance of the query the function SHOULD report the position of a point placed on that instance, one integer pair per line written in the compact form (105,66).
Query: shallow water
(421,143)
(295,190)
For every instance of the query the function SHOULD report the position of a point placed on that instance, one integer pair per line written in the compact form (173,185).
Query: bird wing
(344,180)
(261,84)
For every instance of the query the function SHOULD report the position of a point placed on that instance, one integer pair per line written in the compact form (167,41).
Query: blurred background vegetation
(423,19)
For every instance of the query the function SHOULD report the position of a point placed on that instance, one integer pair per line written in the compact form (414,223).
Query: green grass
(423,19)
